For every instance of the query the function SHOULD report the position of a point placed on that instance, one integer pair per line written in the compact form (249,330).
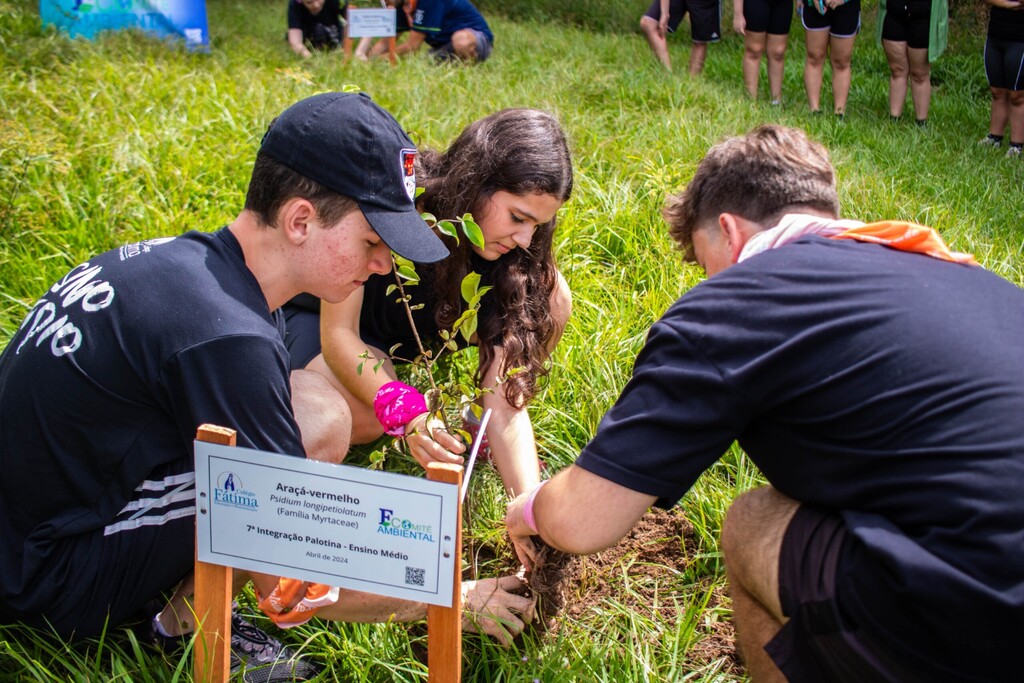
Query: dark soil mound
(652,556)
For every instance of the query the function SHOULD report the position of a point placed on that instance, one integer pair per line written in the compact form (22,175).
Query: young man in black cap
(875,378)
(103,386)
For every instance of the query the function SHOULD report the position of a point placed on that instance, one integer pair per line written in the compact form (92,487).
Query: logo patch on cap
(409,172)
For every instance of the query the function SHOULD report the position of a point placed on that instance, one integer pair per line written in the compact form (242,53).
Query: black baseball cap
(349,144)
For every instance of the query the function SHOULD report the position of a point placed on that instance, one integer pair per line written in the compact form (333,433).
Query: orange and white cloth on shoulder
(900,235)
(315,596)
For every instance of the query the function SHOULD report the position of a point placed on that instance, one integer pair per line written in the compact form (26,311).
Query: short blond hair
(760,176)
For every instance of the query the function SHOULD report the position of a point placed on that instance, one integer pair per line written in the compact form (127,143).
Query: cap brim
(406,233)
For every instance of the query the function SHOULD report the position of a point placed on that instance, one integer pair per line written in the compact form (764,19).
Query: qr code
(414,576)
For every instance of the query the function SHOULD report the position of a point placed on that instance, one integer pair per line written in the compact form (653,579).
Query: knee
(1016,97)
(464,43)
(898,71)
(921,74)
(777,54)
(323,417)
(840,63)
(648,26)
(815,59)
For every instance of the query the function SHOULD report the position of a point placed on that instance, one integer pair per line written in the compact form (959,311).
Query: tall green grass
(124,138)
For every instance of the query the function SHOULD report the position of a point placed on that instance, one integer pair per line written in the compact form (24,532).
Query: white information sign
(372,23)
(377,532)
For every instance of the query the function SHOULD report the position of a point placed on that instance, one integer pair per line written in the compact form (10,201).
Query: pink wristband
(396,404)
(528,509)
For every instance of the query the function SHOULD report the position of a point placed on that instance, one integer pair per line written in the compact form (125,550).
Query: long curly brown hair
(520,151)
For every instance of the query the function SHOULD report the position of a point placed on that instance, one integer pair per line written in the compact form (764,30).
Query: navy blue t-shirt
(884,386)
(107,380)
(439,19)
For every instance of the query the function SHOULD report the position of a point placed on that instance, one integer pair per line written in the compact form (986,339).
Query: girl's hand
(495,607)
(429,442)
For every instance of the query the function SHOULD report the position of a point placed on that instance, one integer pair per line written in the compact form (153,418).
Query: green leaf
(420,190)
(402,262)
(416,307)
(390,290)
(428,217)
(380,362)
(470,284)
(472,230)
(409,274)
(448,228)
(394,348)
(359,368)
(468,327)
(475,303)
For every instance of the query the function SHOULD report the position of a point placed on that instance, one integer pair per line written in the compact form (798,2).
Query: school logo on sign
(231,492)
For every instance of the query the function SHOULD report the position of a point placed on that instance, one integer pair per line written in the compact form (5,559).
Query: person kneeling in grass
(454,30)
(875,378)
(105,383)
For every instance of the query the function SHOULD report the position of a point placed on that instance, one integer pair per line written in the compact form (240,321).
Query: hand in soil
(497,608)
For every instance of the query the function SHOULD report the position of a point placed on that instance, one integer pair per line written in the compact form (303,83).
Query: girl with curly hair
(512,171)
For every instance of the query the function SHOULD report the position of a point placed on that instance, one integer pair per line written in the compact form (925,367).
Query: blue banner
(185,19)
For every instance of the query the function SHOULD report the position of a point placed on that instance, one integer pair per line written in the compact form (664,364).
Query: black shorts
(819,644)
(103,578)
(302,334)
(908,21)
(705,17)
(768,16)
(841,22)
(1004,64)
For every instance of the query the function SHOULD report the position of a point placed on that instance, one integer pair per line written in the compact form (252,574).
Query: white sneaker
(1013,152)
(988,141)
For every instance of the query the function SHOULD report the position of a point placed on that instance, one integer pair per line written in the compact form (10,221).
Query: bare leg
(1000,112)
(698,54)
(365,426)
(751,542)
(1017,116)
(817,47)
(464,45)
(776,64)
(659,46)
(899,70)
(920,81)
(323,416)
(840,52)
(753,48)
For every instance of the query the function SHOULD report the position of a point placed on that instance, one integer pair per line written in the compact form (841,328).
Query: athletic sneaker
(1013,153)
(989,141)
(263,659)
(259,658)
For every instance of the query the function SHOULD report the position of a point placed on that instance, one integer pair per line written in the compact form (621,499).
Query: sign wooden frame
(213,597)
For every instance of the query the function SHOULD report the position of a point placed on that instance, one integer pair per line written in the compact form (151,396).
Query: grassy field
(107,142)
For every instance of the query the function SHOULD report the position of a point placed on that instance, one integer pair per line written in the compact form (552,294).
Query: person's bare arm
(296,43)
(411,44)
(739,23)
(577,512)
(510,432)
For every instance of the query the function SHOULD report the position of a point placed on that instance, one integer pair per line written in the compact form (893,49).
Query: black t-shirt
(107,380)
(1006,24)
(885,386)
(323,29)
(383,321)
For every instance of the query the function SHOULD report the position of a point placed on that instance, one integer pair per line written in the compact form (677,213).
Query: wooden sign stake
(444,624)
(213,596)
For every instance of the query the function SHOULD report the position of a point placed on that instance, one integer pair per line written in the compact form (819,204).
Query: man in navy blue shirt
(876,378)
(454,29)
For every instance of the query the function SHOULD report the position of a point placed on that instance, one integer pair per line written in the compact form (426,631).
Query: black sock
(922,122)
(1018,145)
(995,138)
